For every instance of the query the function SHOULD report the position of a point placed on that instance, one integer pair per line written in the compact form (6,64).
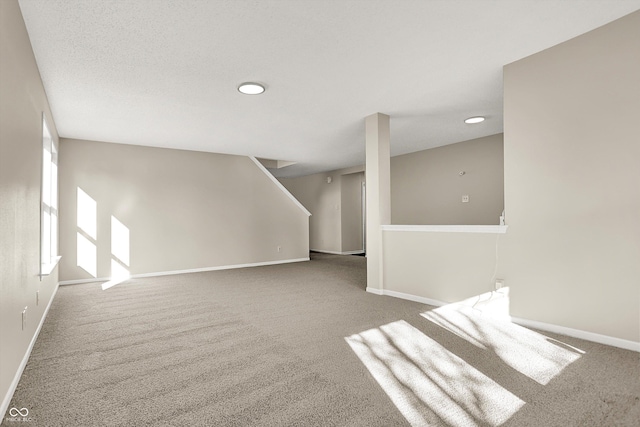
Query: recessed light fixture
(251,88)
(476,119)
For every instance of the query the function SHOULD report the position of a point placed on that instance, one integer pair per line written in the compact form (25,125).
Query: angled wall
(571,253)
(22,104)
(182,210)
(572,182)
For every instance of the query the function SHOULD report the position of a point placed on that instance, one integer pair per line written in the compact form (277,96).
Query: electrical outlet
(465,198)
(279,248)
(24,318)
(499,283)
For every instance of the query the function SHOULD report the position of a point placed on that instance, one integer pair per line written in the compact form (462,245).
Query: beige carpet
(303,345)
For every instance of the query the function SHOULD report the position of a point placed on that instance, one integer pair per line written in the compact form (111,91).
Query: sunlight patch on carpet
(119,274)
(535,355)
(428,383)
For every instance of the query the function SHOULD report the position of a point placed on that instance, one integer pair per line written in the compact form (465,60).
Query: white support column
(378,184)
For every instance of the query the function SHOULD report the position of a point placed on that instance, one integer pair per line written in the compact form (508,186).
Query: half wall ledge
(489,229)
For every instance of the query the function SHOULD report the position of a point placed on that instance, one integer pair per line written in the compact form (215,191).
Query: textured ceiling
(164,72)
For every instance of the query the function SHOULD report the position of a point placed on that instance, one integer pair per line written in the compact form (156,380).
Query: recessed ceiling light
(477,119)
(251,88)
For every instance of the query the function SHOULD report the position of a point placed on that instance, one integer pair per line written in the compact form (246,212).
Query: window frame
(49,257)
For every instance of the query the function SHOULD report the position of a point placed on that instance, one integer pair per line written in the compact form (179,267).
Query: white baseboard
(280,186)
(79,281)
(192,270)
(575,333)
(415,298)
(337,252)
(16,379)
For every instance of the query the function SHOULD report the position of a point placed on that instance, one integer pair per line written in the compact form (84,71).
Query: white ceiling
(164,72)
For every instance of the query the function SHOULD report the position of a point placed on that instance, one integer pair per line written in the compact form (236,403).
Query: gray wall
(322,199)
(22,102)
(351,218)
(426,187)
(336,221)
(572,182)
(184,209)
(439,266)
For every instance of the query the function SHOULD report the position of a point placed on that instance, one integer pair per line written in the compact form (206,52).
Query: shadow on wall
(431,384)
(87,242)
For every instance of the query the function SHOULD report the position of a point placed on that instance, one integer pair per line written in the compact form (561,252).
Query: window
(49,208)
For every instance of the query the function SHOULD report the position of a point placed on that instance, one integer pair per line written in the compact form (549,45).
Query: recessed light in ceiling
(476,119)
(251,88)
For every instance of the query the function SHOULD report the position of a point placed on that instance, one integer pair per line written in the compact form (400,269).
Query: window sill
(46,269)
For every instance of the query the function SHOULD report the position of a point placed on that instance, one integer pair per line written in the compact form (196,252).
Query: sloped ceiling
(165,73)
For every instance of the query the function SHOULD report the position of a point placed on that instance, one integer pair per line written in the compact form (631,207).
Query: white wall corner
(279,185)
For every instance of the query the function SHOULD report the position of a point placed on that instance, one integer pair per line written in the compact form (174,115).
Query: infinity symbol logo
(14,412)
